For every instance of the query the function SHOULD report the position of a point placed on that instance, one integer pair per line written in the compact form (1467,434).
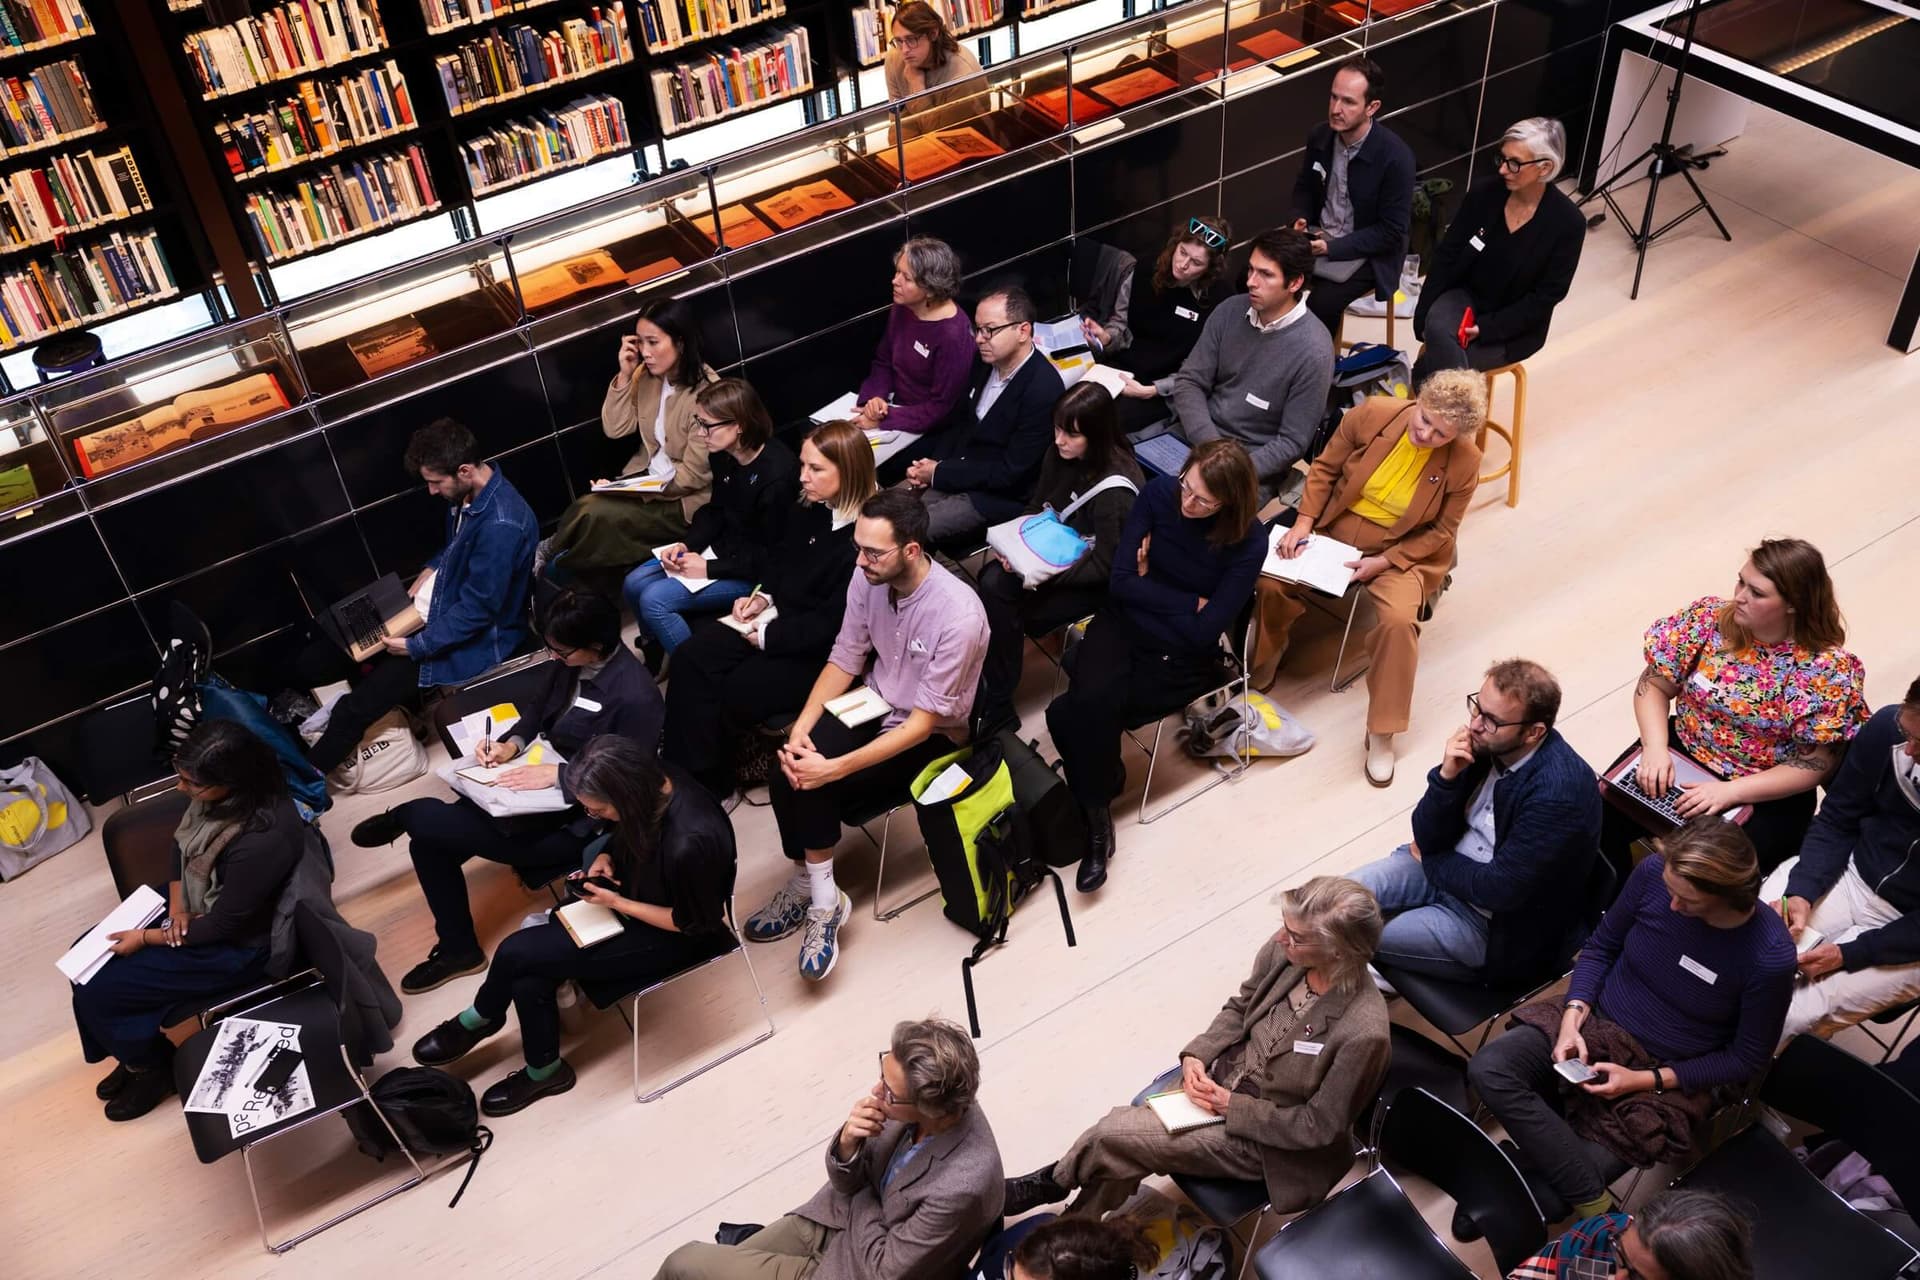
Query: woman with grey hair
(921,368)
(1680,1235)
(1506,261)
(1273,1086)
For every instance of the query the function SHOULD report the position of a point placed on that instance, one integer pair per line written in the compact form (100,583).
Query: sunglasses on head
(1208,236)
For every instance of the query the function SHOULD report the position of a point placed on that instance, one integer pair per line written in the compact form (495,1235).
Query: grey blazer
(927,1223)
(1303,1119)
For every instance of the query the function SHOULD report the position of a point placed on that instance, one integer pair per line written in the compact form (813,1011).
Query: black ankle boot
(1100,848)
(381,829)
(1025,1194)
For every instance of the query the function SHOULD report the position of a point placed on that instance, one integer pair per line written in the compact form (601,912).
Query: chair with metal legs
(1237,686)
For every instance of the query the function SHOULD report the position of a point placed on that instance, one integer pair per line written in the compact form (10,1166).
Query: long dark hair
(224,753)
(620,772)
(675,319)
(1086,409)
(922,19)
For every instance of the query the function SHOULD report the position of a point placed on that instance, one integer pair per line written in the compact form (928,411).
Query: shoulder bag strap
(1113,481)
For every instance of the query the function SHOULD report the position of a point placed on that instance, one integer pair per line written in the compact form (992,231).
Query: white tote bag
(1042,546)
(38,817)
(388,757)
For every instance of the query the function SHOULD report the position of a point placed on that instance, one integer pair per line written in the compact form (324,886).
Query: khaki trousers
(1393,645)
(1108,1161)
(1841,999)
(789,1249)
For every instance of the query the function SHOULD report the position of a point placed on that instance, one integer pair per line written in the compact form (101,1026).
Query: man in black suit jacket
(1355,193)
(980,466)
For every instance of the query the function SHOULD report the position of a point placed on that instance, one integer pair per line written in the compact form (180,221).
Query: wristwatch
(1659,1085)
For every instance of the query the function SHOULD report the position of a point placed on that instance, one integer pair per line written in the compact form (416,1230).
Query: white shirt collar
(1298,309)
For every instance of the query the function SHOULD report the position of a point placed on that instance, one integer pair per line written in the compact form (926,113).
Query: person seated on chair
(1508,256)
(1083,1249)
(921,56)
(668,850)
(1678,1235)
(913,1180)
(593,686)
(1857,881)
(1393,483)
(978,468)
(1100,277)
(1088,451)
(1759,691)
(1288,1064)
(235,850)
(1183,572)
(478,616)
(918,633)
(1680,991)
(1354,196)
(921,366)
(1509,825)
(1260,372)
(755,481)
(727,683)
(651,400)
(1166,310)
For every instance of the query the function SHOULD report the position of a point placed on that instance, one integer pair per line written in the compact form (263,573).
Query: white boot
(1380,759)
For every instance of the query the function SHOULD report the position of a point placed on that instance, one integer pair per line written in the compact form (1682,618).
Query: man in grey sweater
(1262,368)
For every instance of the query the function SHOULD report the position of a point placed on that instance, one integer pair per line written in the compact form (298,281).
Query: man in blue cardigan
(1489,890)
(478,615)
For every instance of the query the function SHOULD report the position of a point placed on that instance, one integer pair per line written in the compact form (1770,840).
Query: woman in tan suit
(1288,1065)
(651,400)
(1393,484)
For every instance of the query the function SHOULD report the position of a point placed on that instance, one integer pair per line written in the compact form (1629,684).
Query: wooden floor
(1747,393)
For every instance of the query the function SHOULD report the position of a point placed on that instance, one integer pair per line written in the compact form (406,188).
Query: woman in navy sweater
(1182,573)
(1683,988)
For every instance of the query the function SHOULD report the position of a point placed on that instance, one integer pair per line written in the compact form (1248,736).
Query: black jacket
(995,460)
(1164,326)
(744,515)
(1546,825)
(1515,280)
(1380,187)
(253,870)
(571,708)
(807,579)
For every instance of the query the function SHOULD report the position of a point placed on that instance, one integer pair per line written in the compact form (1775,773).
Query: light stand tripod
(1667,159)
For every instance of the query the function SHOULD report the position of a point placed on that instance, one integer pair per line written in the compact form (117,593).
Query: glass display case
(1144,73)
(31,472)
(360,331)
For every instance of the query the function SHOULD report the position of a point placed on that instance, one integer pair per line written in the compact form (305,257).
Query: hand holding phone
(1574,1071)
(578,885)
(1466,335)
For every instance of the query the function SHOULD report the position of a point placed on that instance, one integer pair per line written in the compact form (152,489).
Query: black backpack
(1057,829)
(433,1112)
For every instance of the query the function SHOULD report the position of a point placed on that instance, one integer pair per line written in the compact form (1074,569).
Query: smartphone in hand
(1574,1071)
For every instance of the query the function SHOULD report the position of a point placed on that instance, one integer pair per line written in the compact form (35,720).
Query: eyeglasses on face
(704,425)
(1193,495)
(1513,164)
(1208,236)
(872,555)
(887,1095)
(987,331)
(906,42)
(1475,715)
(560,651)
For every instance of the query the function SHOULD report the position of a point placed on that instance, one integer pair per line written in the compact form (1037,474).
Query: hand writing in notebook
(530,777)
(1294,540)
(1367,568)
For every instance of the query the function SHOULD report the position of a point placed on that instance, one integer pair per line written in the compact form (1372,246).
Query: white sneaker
(1380,759)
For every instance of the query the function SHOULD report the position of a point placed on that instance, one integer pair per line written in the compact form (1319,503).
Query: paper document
(857,708)
(1060,337)
(835,410)
(468,731)
(881,439)
(539,751)
(86,957)
(1321,564)
(691,584)
(1178,1113)
(241,1048)
(633,484)
(1105,375)
(950,782)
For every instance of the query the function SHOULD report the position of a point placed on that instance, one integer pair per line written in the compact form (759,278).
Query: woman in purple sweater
(1682,989)
(926,356)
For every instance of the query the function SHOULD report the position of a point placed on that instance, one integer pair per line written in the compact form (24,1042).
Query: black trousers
(1329,299)
(1442,339)
(1514,1076)
(1116,683)
(444,834)
(380,684)
(721,688)
(1014,613)
(531,963)
(811,819)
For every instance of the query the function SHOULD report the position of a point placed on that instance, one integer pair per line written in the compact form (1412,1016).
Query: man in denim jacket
(478,615)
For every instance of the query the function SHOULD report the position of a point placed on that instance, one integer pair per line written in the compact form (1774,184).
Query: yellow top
(1390,489)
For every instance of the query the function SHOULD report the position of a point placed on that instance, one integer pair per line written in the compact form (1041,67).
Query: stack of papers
(1321,564)
(947,784)
(691,584)
(89,955)
(241,1048)
(633,484)
(838,409)
(469,730)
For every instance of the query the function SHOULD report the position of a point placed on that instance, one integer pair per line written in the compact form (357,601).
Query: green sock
(471,1020)
(1595,1207)
(537,1074)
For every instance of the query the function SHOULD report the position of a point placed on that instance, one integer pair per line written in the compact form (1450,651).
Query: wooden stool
(1511,434)
(1340,344)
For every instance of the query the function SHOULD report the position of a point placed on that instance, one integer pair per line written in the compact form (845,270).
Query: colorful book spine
(68,193)
(282,43)
(341,202)
(721,84)
(35,24)
(668,24)
(318,118)
(522,150)
(81,285)
(507,61)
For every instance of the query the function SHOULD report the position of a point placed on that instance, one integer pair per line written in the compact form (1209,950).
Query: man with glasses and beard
(925,634)
(1489,888)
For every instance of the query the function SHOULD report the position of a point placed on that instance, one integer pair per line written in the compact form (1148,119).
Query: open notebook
(1178,1112)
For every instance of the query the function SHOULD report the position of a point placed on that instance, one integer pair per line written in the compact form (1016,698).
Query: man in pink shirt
(919,636)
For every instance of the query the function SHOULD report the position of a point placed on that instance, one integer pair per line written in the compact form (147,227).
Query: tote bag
(38,817)
(1042,546)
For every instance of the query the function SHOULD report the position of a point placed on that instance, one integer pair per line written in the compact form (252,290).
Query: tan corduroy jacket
(630,411)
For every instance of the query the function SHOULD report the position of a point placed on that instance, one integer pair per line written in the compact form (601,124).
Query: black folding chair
(1824,1086)
(1369,1230)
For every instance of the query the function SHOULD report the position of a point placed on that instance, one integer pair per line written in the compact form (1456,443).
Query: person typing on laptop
(480,582)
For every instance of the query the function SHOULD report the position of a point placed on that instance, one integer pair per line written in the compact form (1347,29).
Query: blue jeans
(1428,931)
(658,602)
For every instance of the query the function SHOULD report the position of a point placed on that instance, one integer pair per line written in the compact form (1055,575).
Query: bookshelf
(283,43)
(669,25)
(508,62)
(316,120)
(455,14)
(873,23)
(742,78)
(520,151)
(29,28)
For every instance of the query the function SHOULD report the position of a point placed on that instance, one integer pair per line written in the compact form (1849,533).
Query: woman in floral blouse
(1759,691)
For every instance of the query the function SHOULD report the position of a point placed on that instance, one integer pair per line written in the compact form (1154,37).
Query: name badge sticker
(585,703)
(921,347)
(1700,681)
(1319,168)
(1186,313)
(1257,402)
(1479,245)
(1311,1048)
(1699,970)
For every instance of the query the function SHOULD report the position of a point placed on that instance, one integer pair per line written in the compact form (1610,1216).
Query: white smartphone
(1574,1071)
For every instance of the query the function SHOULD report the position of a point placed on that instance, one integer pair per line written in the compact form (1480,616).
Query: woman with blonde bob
(1393,483)
(729,678)
(1289,1063)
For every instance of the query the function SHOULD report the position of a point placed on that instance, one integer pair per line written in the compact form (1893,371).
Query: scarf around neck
(202,839)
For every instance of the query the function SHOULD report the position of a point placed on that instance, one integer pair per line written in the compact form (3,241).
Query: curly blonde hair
(1459,396)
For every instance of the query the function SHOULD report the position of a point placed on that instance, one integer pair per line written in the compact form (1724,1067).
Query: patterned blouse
(1745,710)
(1587,1250)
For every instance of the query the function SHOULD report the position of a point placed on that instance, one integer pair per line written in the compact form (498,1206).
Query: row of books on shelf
(318,119)
(342,201)
(75,286)
(668,24)
(445,15)
(26,23)
(546,141)
(508,60)
(302,35)
(718,85)
(69,193)
(873,25)
(48,103)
